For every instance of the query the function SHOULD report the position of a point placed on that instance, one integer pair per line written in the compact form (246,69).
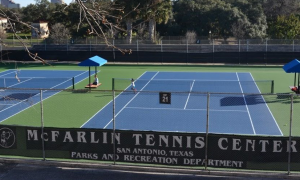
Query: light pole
(210,35)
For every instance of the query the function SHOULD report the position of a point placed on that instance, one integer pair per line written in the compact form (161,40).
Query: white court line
(185,109)
(131,100)
(268,107)
(28,77)
(20,82)
(7,74)
(246,103)
(41,70)
(187,100)
(107,104)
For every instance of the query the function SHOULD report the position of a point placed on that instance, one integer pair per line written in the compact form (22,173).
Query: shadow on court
(242,100)
(17,96)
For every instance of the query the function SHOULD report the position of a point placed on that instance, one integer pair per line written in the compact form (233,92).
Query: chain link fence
(164,44)
(208,130)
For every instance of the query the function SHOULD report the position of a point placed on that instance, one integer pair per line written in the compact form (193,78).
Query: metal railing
(163,45)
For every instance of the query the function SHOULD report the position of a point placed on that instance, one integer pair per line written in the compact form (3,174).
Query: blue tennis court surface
(11,101)
(228,113)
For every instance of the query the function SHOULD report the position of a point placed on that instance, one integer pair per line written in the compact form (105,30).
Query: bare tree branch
(99,16)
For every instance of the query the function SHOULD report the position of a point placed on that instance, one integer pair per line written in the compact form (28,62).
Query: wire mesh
(79,106)
(190,85)
(254,130)
(35,82)
(14,101)
(143,111)
(245,130)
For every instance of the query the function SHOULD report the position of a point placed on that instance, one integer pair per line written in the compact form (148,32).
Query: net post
(272,87)
(113,84)
(73,82)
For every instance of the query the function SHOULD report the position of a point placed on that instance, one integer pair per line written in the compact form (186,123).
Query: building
(57,1)
(9,4)
(42,28)
(3,23)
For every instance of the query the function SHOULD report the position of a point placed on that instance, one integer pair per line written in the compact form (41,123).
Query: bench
(92,85)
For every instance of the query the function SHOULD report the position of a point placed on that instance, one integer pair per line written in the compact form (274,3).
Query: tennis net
(261,86)
(36,82)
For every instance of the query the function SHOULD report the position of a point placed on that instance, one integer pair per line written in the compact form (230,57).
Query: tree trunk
(152,29)
(129,31)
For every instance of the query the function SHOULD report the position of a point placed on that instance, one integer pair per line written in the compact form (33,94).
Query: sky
(24,3)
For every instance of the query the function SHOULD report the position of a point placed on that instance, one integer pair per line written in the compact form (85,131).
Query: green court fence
(206,132)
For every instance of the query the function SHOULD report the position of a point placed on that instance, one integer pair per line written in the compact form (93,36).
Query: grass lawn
(67,109)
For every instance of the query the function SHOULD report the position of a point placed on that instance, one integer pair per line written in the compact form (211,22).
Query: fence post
(266,45)
(213,43)
(161,51)
(290,135)
(187,46)
(239,51)
(1,51)
(114,55)
(42,124)
(187,50)
(206,137)
(90,46)
(114,122)
(293,45)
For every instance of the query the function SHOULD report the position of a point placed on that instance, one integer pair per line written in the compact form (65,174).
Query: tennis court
(16,100)
(228,113)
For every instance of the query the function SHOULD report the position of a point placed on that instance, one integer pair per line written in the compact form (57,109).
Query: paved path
(13,171)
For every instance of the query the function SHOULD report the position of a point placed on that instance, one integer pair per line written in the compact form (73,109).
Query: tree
(42,10)
(274,8)
(157,11)
(253,23)
(97,15)
(191,37)
(131,13)
(2,34)
(221,17)
(203,16)
(285,27)
(59,33)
